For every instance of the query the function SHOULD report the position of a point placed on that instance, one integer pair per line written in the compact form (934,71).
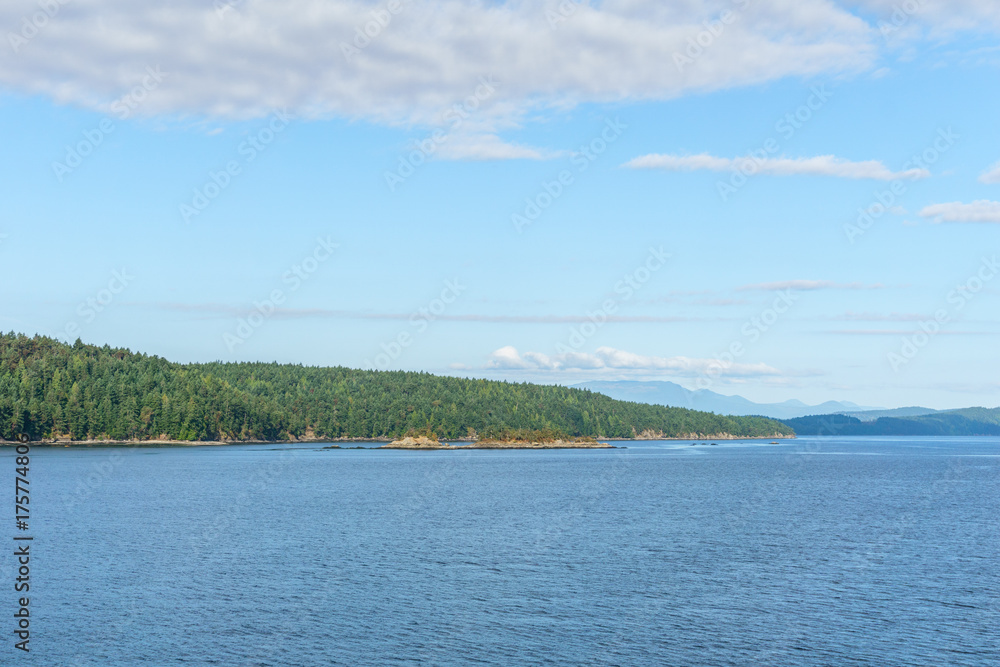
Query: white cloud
(937,16)
(489,147)
(822,165)
(982,210)
(991,175)
(240,59)
(259,55)
(508,358)
(806,285)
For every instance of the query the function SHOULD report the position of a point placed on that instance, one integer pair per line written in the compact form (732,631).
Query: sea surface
(818,551)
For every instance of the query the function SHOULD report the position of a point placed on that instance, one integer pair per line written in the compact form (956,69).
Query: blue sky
(529,191)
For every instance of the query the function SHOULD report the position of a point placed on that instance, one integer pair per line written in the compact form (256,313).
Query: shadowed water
(853,551)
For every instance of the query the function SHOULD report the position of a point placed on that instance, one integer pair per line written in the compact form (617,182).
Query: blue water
(821,551)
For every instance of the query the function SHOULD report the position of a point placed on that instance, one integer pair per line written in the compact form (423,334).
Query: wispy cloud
(807,285)
(225,310)
(881,317)
(981,211)
(720,302)
(691,298)
(508,358)
(991,175)
(823,165)
(903,332)
(485,147)
(697,292)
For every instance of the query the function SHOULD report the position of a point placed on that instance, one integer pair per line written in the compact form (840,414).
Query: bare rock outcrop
(419,442)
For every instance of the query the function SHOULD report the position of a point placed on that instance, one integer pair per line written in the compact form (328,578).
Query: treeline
(50,389)
(969,421)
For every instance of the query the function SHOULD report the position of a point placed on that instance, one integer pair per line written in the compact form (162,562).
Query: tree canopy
(967,421)
(50,389)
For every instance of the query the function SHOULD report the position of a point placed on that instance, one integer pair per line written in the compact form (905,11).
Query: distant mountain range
(830,418)
(669,393)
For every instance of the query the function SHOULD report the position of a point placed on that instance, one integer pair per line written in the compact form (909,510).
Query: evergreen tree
(50,389)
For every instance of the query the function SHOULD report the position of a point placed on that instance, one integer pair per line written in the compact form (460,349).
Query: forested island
(52,390)
(966,421)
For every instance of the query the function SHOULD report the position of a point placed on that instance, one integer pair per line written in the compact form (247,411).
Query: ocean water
(820,551)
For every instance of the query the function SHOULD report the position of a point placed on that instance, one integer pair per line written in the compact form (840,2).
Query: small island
(561,443)
(418,442)
(505,439)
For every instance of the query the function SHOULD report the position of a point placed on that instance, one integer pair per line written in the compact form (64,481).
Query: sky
(773,198)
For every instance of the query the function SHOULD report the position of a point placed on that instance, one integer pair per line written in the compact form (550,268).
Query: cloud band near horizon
(508,358)
(979,211)
(822,165)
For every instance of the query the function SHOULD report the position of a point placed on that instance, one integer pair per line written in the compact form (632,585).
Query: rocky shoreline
(654,435)
(425,443)
(166,442)
(417,443)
